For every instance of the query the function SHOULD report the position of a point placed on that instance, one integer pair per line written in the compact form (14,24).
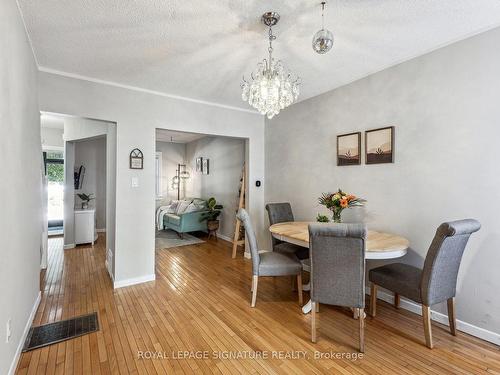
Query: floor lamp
(181,174)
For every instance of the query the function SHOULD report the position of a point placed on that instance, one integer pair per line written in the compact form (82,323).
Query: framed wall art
(379,145)
(199,164)
(136,159)
(349,149)
(206,166)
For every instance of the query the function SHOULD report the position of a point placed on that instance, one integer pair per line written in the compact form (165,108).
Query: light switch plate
(135,182)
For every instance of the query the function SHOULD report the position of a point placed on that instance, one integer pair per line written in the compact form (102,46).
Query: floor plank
(200,304)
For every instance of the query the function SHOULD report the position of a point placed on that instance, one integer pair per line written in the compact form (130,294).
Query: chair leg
(299,288)
(451,316)
(373,300)
(396,300)
(317,307)
(361,313)
(255,282)
(426,314)
(313,321)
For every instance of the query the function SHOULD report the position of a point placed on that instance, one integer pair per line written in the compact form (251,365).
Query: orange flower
(344,203)
(350,197)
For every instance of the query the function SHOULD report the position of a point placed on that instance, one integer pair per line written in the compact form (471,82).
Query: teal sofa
(186,222)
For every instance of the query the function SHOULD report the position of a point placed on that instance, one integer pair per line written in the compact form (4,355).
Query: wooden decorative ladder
(239,239)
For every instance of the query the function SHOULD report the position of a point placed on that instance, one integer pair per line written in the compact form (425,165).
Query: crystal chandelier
(271,87)
(323,40)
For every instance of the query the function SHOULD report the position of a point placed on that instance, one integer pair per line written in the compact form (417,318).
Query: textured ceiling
(201,49)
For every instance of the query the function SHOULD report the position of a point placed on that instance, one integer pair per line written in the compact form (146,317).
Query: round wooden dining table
(379,245)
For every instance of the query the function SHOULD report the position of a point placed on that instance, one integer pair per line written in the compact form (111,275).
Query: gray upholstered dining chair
(436,282)
(269,263)
(337,253)
(280,213)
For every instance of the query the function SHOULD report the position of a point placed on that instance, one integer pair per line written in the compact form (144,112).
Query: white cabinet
(85,230)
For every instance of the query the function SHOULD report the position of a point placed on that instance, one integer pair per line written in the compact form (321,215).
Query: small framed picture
(379,145)
(136,159)
(199,164)
(206,166)
(349,149)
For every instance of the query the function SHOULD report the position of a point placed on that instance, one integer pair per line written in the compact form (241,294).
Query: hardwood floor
(201,302)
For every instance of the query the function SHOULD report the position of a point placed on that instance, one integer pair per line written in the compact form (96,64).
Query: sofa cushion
(173,219)
(191,208)
(182,206)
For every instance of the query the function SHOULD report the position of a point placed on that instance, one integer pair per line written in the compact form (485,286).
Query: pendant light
(323,40)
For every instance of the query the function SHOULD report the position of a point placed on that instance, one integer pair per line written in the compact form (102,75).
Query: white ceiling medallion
(271,87)
(323,40)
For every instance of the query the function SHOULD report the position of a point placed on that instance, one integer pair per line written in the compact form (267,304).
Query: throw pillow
(191,208)
(182,207)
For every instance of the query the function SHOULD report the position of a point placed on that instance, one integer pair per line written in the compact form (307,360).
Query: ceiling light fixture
(271,87)
(323,40)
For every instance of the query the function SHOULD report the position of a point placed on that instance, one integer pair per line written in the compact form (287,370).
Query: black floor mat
(52,333)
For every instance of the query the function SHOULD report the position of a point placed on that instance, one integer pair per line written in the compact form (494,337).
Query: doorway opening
(53,161)
(198,187)
(79,181)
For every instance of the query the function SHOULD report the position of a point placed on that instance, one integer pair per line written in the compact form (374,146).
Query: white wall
(172,155)
(21,187)
(137,115)
(226,157)
(91,153)
(52,138)
(69,195)
(445,107)
(110,198)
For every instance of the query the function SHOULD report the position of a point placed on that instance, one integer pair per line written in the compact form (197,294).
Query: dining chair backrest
(279,213)
(439,276)
(337,253)
(243,216)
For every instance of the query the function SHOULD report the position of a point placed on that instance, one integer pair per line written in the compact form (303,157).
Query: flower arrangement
(337,202)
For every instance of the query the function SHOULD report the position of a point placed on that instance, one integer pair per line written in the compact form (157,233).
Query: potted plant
(322,219)
(211,214)
(86,198)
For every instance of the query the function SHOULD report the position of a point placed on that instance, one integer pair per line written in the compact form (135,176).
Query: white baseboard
(13,365)
(465,327)
(109,271)
(102,230)
(133,281)
(225,238)
(69,246)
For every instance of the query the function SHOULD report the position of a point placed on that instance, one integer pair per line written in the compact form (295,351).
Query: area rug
(165,239)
